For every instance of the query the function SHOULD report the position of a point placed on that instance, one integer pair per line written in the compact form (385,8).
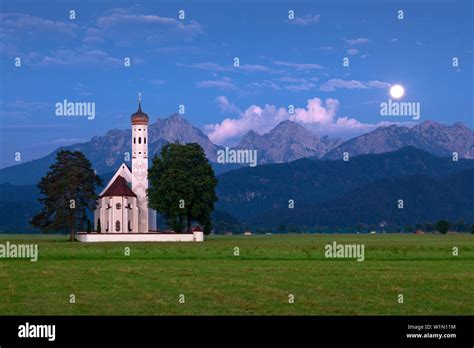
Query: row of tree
(181,188)
(442,226)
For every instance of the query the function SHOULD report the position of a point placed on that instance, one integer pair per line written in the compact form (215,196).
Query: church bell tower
(140,166)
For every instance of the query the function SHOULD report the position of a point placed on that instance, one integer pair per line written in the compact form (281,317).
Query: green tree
(182,186)
(67,192)
(89,227)
(442,226)
(472,229)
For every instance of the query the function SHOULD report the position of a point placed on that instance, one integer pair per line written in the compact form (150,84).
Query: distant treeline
(223,227)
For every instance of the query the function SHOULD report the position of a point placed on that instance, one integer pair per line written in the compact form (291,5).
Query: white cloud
(265,84)
(333,84)
(260,119)
(18,24)
(358,41)
(226,106)
(377,84)
(210,66)
(148,28)
(352,51)
(304,86)
(224,83)
(318,116)
(76,57)
(254,68)
(263,119)
(316,111)
(299,66)
(20,32)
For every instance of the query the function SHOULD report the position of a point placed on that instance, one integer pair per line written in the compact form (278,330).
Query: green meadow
(259,281)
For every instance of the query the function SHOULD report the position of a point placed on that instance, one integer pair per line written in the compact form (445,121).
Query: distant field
(215,282)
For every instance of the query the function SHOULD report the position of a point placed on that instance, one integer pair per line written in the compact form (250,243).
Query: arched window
(139,140)
(144,140)
(117,226)
(118,206)
(134,140)
(129,226)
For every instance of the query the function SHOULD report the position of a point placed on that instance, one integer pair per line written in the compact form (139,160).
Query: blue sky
(282,62)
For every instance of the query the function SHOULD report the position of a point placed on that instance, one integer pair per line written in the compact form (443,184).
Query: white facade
(123,204)
(141,237)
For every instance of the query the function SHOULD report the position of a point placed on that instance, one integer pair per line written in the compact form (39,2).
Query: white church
(122,207)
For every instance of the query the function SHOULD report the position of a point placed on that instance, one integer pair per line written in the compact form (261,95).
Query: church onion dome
(139,117)
(119,188)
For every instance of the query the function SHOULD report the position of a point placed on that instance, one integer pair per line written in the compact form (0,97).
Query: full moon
(397,91)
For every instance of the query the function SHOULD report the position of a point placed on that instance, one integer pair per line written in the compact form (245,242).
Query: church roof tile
(119,188)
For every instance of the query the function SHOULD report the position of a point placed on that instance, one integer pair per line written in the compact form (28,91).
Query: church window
(139,140)
(134,140)
(144,140)
(107,229)
(129,225)
(118,206)
(117,226)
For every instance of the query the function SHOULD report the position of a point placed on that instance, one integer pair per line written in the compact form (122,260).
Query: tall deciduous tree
(67,192)
(182,186)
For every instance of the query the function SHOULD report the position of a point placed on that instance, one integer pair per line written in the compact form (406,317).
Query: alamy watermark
(67,108)
(240,156)
(395,108)
(37,331)
(345,251)
(20,251)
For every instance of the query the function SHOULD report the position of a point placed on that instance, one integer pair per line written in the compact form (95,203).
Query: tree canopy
(182,186)
(67,193)
(442,226)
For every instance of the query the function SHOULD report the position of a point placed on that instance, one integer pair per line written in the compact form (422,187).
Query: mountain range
(430,136)
(295,164)
(287,142)
(107,152)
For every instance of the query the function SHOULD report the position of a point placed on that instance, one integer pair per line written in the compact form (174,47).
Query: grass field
(258,282)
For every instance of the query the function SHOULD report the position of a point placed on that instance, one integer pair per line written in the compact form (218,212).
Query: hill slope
(425,199)
(251,191)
